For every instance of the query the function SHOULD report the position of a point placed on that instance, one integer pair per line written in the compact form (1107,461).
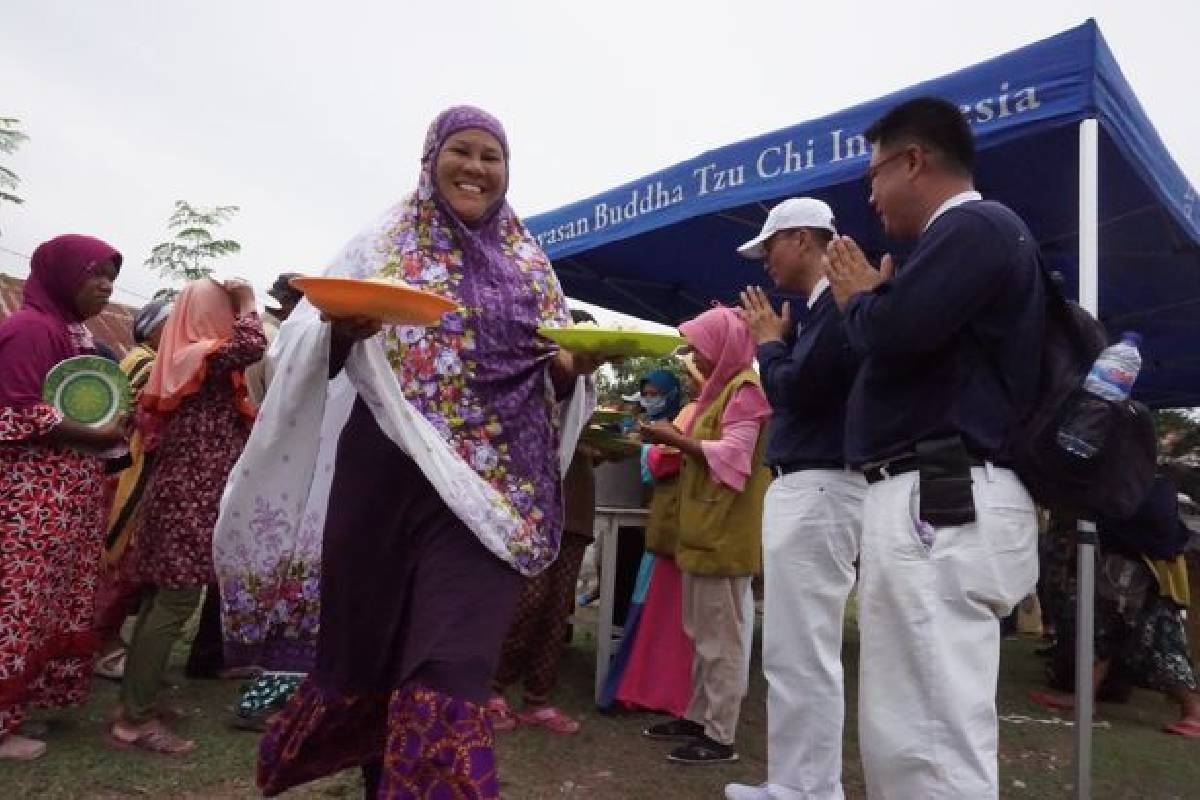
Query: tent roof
(662,247)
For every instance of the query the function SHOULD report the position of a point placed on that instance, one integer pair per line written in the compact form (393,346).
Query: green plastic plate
(612,342)
(88,389)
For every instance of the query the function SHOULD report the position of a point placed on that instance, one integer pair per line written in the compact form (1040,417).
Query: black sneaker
(675,730)
(703,750)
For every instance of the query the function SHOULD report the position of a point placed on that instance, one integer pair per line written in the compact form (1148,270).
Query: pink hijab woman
(201,322)
(52,510)
(720,493)
(198,400)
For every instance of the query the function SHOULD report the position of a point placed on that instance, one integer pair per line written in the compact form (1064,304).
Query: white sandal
(111,666)
(21,748)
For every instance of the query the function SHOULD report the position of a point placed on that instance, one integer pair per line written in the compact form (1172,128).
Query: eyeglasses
(873,171)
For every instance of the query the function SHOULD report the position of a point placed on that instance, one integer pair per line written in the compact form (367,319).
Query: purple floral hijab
(48,328)
(480,377)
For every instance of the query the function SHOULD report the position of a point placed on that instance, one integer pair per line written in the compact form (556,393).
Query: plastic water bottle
(1111,378)
(1116,369)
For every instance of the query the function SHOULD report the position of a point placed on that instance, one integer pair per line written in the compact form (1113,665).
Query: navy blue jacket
(807,378)
(952,343)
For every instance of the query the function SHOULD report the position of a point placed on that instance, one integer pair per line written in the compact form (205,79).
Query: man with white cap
(812,513)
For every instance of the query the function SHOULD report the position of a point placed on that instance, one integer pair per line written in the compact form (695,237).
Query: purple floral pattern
(270,612)
(431,745)
(470,376)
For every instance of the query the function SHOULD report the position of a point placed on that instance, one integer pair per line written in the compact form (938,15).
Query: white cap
(795,212)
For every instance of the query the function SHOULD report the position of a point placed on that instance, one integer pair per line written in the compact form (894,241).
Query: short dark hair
(931,122)
(578,315)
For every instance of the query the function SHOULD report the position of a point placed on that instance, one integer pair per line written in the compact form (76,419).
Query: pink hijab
(48,329)
(201,321)
(721,336)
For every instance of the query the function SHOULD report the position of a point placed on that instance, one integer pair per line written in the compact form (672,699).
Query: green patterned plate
(613,342)
(610,443)
(605,416)
(88,389)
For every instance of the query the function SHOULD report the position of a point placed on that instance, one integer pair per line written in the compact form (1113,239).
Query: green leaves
(189,253)
(615,380)
(11,137)
(1180,428)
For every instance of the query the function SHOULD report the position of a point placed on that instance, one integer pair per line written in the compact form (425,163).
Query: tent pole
(1089,299)
(1089,217)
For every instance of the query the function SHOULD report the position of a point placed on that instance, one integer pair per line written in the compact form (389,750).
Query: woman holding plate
(714,519)
(445,484)
(196,396)
(52,490)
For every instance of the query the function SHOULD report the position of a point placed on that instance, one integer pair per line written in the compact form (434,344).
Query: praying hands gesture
(849,272)
(764,324)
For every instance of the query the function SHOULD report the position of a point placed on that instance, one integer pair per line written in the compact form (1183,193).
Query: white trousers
(930,651)
(811,533)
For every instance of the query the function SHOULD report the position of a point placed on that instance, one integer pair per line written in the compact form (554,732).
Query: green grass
(608,760)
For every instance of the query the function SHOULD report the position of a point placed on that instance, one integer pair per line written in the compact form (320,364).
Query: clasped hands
(848,273)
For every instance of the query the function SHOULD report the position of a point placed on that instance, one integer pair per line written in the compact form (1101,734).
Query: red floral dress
(52,518)
(194,455)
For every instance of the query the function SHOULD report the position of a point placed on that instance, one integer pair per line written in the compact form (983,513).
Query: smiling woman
(472,174)
(440,453)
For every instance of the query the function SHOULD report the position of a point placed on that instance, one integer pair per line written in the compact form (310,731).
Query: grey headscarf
(150,317)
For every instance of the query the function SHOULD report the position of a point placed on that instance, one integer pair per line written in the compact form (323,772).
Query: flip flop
(549,718)
(500,714)
(1050,701)
(15,747)
(111,666)
(1188,728)
(156,739)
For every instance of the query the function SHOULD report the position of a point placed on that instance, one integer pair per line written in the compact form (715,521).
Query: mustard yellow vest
(708,527)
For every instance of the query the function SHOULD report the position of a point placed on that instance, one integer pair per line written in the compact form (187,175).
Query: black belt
(882,470)
(788,467)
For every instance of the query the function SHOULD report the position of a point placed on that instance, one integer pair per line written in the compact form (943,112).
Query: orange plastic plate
(390,302)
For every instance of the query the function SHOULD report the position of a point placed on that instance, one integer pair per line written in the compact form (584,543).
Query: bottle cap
(1133,337)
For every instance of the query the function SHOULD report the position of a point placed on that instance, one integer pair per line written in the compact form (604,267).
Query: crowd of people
(383,525)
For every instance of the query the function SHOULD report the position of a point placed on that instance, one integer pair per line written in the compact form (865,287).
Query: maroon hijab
(48,328)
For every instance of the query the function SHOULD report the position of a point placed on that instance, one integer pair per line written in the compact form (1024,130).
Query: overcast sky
(310,115)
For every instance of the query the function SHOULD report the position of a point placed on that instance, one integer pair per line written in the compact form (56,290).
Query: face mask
(653,405)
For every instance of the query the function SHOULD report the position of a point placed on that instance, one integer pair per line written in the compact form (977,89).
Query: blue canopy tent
(1062,139)
(662,247)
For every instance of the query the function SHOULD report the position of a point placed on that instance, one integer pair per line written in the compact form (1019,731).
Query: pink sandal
(155,738)
(500,714)
(551,718)
(1052,701)
(1188,728)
